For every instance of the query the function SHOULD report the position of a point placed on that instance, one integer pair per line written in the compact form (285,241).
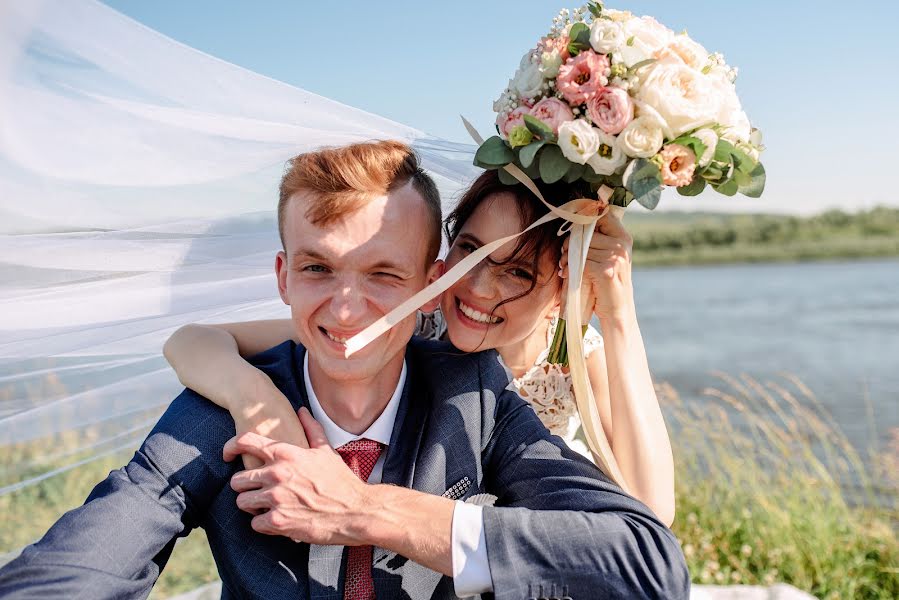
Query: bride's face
(475,318)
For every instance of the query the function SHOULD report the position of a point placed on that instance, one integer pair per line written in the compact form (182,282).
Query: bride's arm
(622,385)
(208,359)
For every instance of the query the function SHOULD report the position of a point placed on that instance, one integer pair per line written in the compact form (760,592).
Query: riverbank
(662,239)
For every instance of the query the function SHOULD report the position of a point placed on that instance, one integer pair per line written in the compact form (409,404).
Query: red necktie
(360,456)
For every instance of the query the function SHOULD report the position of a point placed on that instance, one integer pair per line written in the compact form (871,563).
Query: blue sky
(816,77)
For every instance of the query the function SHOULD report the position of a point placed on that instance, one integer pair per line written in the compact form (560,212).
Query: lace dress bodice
(546,387)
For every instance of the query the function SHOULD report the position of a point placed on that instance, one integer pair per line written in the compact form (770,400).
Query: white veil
(138,181)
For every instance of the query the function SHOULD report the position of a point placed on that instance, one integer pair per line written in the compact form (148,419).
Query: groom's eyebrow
(301,254)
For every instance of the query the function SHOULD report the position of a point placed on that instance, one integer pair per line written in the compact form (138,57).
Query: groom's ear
(435,271)
(281,271)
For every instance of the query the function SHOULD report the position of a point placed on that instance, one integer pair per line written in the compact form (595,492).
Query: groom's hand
(309,495)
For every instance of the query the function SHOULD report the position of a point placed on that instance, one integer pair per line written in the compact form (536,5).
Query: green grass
(762,480)
(707,238)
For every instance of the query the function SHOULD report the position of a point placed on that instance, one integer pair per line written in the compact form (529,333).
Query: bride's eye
(521,274)
(467,247)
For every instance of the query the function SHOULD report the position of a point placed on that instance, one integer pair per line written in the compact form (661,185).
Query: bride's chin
(464,344)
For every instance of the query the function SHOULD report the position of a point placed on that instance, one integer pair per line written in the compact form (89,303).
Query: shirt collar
(379,431)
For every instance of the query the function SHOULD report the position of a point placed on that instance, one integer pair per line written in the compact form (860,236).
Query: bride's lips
(468,321)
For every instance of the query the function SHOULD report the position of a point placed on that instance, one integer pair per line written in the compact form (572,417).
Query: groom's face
(341,277)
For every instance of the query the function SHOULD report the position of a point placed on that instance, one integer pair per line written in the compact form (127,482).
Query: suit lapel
(399,469)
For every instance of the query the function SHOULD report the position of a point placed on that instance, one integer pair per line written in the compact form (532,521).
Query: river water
(834,325)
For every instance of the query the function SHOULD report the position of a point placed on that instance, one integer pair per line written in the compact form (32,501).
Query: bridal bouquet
(623,101)
(628,105)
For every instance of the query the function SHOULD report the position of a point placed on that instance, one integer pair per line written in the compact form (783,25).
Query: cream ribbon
(580,227)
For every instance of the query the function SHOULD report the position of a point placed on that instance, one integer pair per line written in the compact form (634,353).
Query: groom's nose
(348,304)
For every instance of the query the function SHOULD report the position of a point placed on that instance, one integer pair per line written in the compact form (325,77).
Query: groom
(418,429)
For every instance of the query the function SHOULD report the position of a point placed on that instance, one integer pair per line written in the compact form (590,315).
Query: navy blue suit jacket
(557,521)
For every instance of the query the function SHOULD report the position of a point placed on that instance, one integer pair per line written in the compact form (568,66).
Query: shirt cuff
(471,571)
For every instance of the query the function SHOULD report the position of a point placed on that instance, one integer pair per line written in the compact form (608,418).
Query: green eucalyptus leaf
(756,185)
(553,164)
(539,128)
(527,154)
(742,161)
(742,178)
(728,188)
(644,180)
(693,143)
(575,172)
(592,176)
(506,178)
(579,34)
(621,197)
(532,171)
(694,188)
(493,153)
(723,151)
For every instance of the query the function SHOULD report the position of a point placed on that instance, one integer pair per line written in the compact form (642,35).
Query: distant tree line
(704,230)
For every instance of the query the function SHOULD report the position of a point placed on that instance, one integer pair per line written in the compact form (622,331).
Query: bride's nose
(480,282)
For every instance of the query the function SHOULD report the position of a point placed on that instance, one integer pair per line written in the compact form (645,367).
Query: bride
(510,303)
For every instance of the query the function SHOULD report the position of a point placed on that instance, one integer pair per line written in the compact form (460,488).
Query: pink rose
(553,112)
(611,109)
(678,165)
(583,76)
(559,44)
(506,122)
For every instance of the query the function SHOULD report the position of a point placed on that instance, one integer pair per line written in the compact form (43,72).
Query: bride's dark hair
(531,246)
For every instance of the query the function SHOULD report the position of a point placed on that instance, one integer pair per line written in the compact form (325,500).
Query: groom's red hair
(344,179)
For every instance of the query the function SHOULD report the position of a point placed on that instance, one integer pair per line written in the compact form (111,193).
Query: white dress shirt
(471,571)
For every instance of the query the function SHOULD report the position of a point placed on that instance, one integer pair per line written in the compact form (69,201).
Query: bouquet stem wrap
(580,225)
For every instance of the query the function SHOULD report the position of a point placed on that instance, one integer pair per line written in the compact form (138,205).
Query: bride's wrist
(619,318)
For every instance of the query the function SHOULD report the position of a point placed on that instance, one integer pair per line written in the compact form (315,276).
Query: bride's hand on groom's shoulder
(607,273)
(306,494)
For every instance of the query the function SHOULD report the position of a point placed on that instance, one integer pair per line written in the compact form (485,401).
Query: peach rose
(678,165)
(506,122)
(611,109)
(583,76)
(557,44)
(553,112)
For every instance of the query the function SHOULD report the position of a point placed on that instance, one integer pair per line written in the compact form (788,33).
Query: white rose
(528,80)
(606,36)
(683,49)
(609,157)
(550,63)
(730,112)
(619,16)
(684,98)
(578,140)
(710,139)
(643,37)
(642,138)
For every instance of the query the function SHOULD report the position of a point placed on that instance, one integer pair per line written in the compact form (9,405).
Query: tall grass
(768,489)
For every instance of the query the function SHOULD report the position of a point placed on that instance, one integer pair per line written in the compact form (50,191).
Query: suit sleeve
(117,542)
(559,522)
